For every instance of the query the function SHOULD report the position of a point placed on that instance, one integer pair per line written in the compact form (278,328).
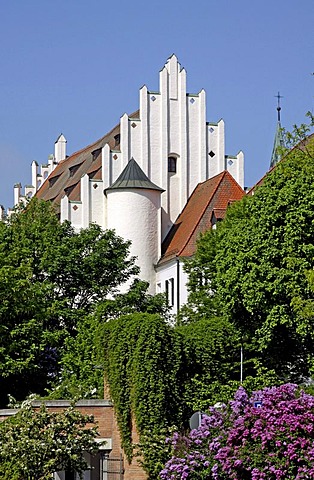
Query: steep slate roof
(210,198)
(65,178)
(133,177)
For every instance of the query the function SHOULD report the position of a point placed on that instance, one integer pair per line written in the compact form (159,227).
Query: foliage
(216,392)
(241,441)
(152,452)
(82,360)
(142,368)
(211,357)
(50,276)
(298,137)
(157,374)
(36,443)
(255,269)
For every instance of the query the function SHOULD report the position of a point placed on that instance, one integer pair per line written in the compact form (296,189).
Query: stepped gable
(65,178)
(207,204)
(133,177)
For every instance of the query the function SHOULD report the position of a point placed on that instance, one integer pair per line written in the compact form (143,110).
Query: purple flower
(274,442)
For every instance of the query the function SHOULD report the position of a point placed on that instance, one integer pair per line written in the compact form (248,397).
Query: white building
(139,177)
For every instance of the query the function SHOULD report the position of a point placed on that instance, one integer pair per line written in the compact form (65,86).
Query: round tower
(134,212)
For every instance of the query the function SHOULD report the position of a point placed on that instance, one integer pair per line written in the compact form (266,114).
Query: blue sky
(76,66)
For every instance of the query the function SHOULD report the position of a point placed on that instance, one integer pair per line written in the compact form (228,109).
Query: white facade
(171,279)
(139,221)
(176,148)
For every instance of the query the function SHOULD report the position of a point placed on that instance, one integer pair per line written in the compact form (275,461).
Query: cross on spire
(278,96)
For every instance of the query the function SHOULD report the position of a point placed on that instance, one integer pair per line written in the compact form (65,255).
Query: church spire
(279,141)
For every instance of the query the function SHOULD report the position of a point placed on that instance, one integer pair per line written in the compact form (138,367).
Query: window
(169,287)
(53,180)
(172,165)
(74,169)
(117,139)
(96,153)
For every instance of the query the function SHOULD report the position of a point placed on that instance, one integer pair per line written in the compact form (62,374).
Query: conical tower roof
(133,177)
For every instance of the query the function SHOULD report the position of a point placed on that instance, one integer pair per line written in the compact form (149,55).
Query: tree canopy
(50,276)
(256,269)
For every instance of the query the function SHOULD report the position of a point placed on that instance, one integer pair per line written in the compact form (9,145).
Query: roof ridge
(90,145)
(78,152)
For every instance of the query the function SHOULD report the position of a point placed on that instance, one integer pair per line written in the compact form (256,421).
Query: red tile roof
(209,198)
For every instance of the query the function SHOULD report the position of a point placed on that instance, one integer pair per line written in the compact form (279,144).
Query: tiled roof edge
(204,209)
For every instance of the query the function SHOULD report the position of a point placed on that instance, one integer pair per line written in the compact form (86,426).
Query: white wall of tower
(135,215)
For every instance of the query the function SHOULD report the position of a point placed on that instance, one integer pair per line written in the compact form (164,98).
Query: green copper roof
(278,143)
(133,177)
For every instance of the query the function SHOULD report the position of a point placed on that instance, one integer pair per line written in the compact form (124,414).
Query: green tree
(83,356)
(50,276)
(36,443)
(256,268)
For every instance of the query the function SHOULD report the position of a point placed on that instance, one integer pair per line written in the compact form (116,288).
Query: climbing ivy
(143,369)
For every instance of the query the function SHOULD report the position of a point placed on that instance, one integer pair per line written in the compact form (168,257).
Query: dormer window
(74,169)
(172,165)
(96,153)
(117,139)
(53,180)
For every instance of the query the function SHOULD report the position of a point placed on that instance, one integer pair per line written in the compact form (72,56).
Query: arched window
(172,165)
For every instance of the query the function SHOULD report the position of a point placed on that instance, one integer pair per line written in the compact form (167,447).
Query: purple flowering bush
(269,436)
